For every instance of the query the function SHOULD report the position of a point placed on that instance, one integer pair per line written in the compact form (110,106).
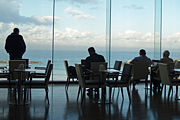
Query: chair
(7,83)
(41,84)
(123,82)
(40,74)
(84,83)
(70,76)
(96,66)
(117,66)
(155,76)
(44,68)
(16,64)
(4,73)
(140,71)
(26,63)
(167,78)
(177,64)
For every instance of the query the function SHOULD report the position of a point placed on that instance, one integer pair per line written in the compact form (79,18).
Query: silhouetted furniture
(117,66)
(84,83)
(96,66)
(4,73)
(155,76)
(70,75)
(26,63)
(17,64)
(140,72)
(177,64)
(96,73)
(6,83)
(167,78)
(44,68)
(123,82)
(40,74)
(16,75)
(41,84)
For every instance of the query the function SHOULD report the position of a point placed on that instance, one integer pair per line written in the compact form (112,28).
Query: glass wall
(171,27)
(34,20)
(158,29)
(131,28)
(121,27)
(78,26)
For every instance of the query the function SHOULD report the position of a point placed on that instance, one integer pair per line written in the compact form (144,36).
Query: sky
(82,23)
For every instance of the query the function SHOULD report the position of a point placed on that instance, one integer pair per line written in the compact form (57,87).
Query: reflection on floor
(144,106)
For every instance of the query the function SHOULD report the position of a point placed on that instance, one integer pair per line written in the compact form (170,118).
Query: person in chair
(141,58)
(166,58)
(93,57)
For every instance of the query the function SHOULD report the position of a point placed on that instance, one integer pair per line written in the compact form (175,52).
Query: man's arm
(7,45)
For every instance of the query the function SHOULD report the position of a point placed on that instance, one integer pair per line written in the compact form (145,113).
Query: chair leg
(170,88)
(177,91)
(110,89)
(15,95)
(122,92)
(83,96)
(113,93)
(25,95)
(128,93)
(78,92)
(46,89)
(67,84)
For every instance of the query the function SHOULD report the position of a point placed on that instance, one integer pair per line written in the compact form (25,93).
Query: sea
(40,58)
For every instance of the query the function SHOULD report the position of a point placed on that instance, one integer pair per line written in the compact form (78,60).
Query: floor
(143,106)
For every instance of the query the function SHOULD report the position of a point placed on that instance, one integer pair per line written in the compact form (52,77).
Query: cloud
(78,14)
(40,37)
(9,10)
(133,6)
(81,1)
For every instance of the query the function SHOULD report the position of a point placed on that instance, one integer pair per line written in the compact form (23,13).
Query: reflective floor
(143,106)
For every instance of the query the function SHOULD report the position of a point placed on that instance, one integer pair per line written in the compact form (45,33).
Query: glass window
(171,27)
(78,26)
(132,28)
(34,20)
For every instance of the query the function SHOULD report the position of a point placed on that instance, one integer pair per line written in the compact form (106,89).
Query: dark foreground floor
(65,107)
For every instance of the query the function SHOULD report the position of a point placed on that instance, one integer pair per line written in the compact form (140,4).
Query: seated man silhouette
(93,57)
(141,58)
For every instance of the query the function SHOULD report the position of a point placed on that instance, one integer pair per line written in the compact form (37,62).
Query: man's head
(91,50)
(166,53)
(16,30)
(142,52)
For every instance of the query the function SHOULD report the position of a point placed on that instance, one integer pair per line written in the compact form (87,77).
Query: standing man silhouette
(15,45)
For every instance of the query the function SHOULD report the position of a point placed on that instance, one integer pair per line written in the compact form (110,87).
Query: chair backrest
(98,65)
(171,65)
(49,70)
(48,63)
(15,64)
(27,63)
(83,62)
(79,73)
(66,67)
(164,73)
(140,70)
(177,64)
(126,73)
(117,65)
